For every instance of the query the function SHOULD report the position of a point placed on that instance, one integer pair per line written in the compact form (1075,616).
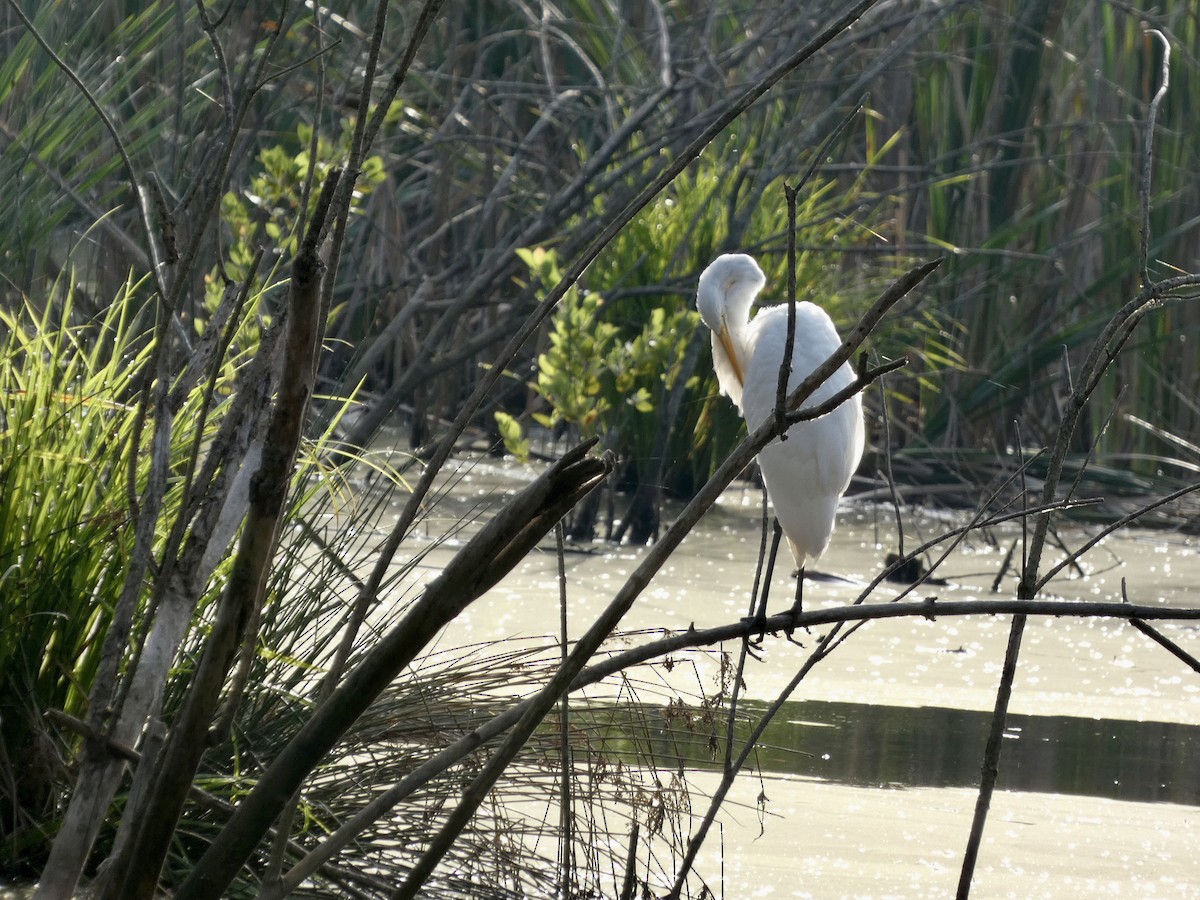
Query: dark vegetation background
(1004,135)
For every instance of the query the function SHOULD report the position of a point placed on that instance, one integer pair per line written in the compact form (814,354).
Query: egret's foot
(794,613)
(756,624)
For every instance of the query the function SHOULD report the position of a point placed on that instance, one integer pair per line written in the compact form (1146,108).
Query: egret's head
(727,289)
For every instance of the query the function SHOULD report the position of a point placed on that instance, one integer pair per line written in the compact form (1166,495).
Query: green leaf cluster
(620,347)
(591,376)
(576,373)
(267,212)
(270,204)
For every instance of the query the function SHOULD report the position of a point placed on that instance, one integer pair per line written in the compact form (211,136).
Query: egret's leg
(760,614)
(798,606)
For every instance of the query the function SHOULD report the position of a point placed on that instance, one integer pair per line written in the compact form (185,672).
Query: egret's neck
(738,300)
(710,302)
(724,295)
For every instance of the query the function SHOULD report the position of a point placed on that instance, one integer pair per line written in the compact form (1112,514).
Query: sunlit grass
(65,423)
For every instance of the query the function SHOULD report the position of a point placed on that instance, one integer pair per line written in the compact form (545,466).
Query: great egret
(807,474)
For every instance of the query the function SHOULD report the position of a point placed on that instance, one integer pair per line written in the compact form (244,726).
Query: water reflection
(872,746)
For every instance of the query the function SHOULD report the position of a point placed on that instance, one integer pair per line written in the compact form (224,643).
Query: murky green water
(873,765)
(866,745)
(1097,708)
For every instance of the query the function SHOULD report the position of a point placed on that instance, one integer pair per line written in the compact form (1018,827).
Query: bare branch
(1148,155)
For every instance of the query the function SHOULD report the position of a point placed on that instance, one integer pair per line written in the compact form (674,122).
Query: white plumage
(807,474)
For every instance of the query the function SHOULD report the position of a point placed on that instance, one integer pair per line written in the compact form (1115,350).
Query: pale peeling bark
(136,868)
(100,770)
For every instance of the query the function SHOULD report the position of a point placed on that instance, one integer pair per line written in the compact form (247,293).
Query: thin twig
(1159,638)
(887,459)
(273,875)
(314,141)
(630,882)
(766,558)
(1115,526)
(990,768)
(1101,356)
(696,841)
(785,361)
(364,135)
(790,194)
(566,847)
(1148,155)
(1167,644)
(991,756)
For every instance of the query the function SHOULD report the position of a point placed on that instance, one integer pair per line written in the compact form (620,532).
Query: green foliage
(267,212)
(68,403)
(65,447)
(613,364)
(1031,119)
(596,381)
(575,375)
(513,435)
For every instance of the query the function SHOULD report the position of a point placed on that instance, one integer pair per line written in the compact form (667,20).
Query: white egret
(807,474)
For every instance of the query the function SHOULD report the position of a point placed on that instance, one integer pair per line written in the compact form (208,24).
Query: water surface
(867,779)
(867,745)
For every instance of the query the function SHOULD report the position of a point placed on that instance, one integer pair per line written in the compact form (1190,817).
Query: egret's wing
(806,474)
(816,339)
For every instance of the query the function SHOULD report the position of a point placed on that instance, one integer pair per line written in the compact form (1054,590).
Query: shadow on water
(883,746)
